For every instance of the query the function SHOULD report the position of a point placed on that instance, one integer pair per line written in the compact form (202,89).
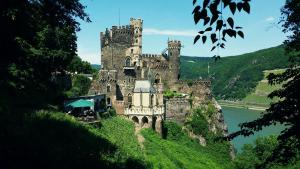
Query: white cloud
(269,19)
(151,31)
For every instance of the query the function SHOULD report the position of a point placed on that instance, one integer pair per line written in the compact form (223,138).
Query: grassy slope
(235,76)
(58,140)
(183,152)
(161,153)
(260,95)
(121,133)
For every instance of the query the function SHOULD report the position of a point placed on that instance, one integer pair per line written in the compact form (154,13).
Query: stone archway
(135,120)
(145,121)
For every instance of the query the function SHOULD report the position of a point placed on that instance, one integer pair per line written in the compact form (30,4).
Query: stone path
(140,137)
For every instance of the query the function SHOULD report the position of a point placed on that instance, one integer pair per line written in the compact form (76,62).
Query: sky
(173,19)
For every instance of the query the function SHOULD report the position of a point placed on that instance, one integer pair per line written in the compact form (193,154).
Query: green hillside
(112,143)
(96,66)
(260,95)
(234,77)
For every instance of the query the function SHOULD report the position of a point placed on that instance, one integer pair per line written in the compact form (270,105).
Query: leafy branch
(215,25)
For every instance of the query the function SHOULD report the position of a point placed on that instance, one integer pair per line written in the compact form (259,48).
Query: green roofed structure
(81,103)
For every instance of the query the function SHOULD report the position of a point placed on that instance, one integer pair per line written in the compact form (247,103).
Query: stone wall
(177,108)
(198,90)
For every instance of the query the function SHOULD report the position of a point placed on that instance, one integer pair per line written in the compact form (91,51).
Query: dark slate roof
(143,86)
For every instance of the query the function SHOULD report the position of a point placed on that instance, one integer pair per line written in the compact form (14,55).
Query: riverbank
(243,105)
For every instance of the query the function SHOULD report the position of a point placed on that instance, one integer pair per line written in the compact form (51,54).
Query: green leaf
(208,29)
(206,20)
(197,17)
(213,38)
(196,38)
(240,6)
(226,2)
(219,25)
(214,19)
(222,45)
(241,34)
(231,32)
(246,7)
(232,7)
(205,3)
(230,22)
(197,8)
(213,48)
(204,39)
(194,1)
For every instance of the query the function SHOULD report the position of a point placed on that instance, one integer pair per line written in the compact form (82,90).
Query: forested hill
(234,77)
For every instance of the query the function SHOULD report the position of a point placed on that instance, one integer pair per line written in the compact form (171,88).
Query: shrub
(197,122)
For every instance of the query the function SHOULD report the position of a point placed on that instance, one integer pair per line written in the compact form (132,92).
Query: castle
(131,79)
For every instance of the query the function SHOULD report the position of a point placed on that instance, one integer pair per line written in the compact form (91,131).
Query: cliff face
(216,121)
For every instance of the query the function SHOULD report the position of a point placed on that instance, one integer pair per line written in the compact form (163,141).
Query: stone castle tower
(124,65)
(174,60)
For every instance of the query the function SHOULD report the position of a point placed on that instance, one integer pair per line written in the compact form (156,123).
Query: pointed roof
(143,86)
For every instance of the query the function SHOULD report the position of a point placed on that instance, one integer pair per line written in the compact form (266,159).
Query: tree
(215,24)
(80,86)
(79,66)
(38,40)
(286,110)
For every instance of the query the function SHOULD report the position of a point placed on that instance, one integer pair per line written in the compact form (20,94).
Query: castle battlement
(174,44)
(146,55)
(138,19)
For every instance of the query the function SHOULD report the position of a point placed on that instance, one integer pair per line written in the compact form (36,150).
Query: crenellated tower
(136,48)
(174,48)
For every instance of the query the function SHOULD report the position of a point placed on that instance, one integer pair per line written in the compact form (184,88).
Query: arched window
(135,119)
(136,41)
(108,88)
(144,120)
(129,98)
(128,62)
(157,78)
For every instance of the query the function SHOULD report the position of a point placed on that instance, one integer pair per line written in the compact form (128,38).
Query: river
(234,116)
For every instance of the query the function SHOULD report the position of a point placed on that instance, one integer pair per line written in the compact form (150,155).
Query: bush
(173,131)
(170,94)
(197,122)
(80,86)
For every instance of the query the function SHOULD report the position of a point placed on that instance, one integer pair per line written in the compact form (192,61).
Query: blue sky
(172,19)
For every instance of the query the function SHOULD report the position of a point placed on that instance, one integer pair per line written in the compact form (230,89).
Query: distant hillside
(262,90)
(96,66)
(234,77)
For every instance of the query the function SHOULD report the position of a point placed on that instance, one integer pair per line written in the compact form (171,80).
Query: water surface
(235,116)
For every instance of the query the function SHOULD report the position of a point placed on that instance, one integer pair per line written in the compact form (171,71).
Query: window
(108,88)
(129,98)
(151,100)
(127,62)
(136,41)
(157,78)
(131,50)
